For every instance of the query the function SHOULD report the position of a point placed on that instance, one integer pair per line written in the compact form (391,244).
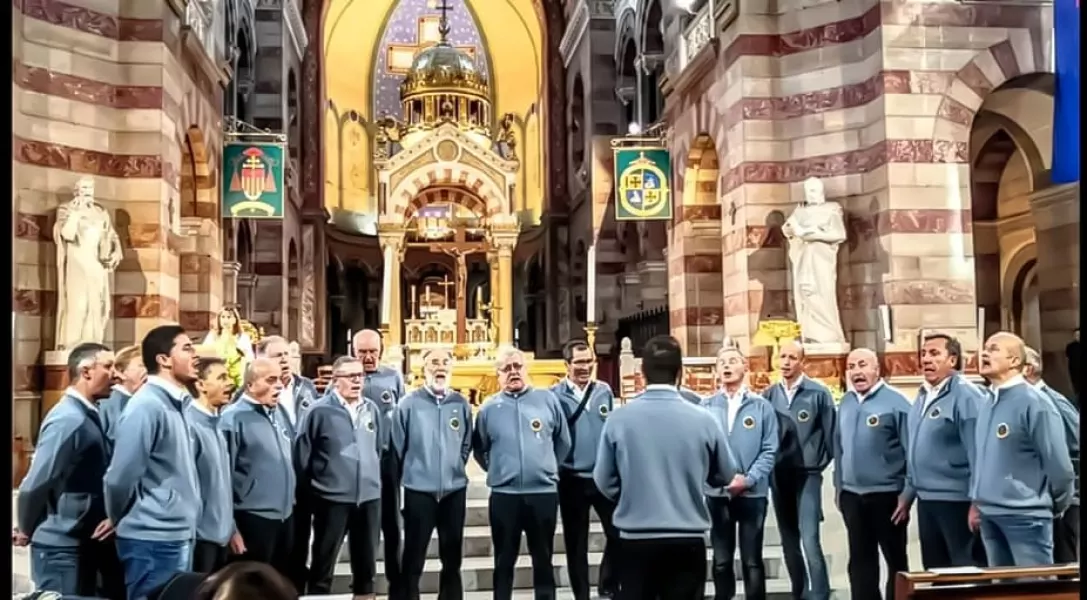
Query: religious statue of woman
(231,343)
(88,250)
(814,231)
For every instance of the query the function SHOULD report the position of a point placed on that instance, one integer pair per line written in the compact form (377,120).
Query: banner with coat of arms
(253,180)
(643,184)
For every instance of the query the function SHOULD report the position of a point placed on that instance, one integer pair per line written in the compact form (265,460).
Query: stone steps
(478,572)
(775,590)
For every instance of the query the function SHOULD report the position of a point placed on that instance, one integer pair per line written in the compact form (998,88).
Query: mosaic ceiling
(413,26)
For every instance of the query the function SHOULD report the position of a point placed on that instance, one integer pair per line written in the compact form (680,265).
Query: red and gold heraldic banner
(253,180)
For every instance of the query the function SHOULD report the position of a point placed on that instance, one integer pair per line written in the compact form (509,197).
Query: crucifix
(460,251)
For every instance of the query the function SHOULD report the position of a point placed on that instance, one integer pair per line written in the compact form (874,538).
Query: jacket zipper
(520,449)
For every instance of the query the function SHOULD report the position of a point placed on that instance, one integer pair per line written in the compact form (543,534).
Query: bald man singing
(262,473)
(384,386)
(870,443)
(1023,477)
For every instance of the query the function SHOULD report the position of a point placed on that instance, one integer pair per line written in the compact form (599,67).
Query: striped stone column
(104,90)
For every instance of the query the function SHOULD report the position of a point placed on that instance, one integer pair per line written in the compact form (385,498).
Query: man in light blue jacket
(151,486)
(521,438)
(432,439)
(739,508)
(1066,527)
(60,509)
(940,457)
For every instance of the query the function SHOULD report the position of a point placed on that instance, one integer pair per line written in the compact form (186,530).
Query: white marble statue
(88,250)
(814,231)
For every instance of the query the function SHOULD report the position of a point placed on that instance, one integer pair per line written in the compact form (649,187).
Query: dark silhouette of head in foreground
(246,581)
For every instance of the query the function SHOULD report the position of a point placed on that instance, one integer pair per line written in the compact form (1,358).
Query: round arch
(445,195)
(448,175)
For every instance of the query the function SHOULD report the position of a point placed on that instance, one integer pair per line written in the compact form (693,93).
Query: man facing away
(61,511)
(657,481)
(129,374)
(1023,477)
(1065,528)
(751,427)
(432,439)
(870,444)
(294,401)
(940,457)
(520,439)
(337,455)
(798,489)
(384,386)
(211,391)
(262,473)
(586,402)
(152,492)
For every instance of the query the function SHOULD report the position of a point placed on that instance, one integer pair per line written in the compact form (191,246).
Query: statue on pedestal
(88,251)
(814,231)
(230,342)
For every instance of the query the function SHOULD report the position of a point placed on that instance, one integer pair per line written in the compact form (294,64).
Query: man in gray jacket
(152,493)
(259,447)
(61,512)
(521,437)
(384,386)
(587,403)
(657,481)
(432,439)
(337,455)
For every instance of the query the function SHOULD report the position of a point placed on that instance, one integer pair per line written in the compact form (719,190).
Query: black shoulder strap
(584,402)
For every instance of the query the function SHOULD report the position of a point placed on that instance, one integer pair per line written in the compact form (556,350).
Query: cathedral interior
(449,172)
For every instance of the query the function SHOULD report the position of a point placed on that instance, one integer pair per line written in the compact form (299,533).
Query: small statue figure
(88,251)
(814,231)
(386,136)
(505,140)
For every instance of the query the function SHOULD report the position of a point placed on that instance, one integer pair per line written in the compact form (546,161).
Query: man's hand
(103,531)
(237,544)
(902,512)
(19,538)
(737,486)
(973,518)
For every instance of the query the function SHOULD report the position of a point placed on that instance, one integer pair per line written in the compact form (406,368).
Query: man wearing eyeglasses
(384,386)
(521,438)
(587,402)
(337,454)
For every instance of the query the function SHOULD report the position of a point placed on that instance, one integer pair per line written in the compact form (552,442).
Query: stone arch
(453,175)
(650,38)
(700,173)
(709,127)
(446,195)
(624,32)
(196,181)
(970,86)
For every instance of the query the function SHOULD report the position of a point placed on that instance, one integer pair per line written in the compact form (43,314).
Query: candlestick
(590,340)
(590,285)
(387,286)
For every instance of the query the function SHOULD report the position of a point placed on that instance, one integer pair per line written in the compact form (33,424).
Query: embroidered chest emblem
(934,413)
(803,416)
(454,423)
(603,410)
(536,425)
(872,421)
(749,422)
(1002,431)
(368,421)
(387,397)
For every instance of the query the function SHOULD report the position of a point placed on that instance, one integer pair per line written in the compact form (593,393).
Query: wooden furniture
(999,584)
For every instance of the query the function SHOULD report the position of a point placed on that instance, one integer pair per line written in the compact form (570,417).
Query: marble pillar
(1056,222)
(395,240)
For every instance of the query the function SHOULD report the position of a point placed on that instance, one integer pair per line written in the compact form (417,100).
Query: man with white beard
(432,439)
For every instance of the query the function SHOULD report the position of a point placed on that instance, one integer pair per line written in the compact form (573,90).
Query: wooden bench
(1001,583)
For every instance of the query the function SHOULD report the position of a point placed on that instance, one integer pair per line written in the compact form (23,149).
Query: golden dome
(443,68)
(444,85)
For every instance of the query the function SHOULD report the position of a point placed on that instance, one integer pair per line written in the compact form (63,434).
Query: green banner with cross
(253,180)
(643,184)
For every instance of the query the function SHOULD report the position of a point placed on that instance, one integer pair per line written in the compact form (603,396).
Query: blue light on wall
(1066,101)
